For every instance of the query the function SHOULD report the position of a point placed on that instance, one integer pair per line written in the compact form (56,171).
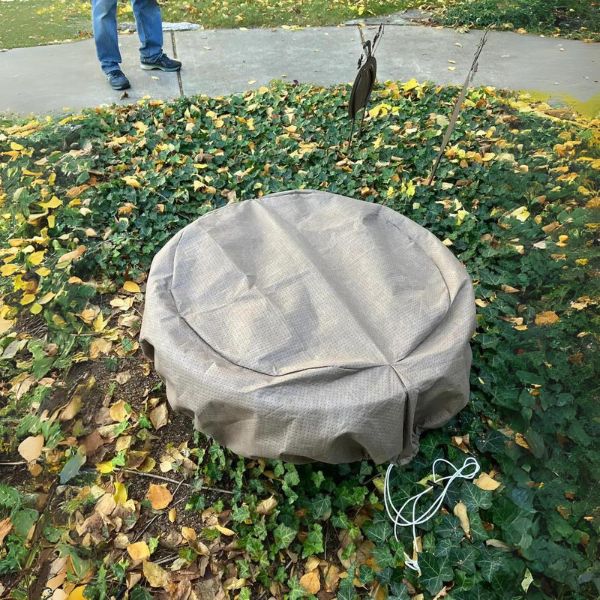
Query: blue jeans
(104,22)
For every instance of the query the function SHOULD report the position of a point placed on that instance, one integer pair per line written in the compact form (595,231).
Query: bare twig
(17,463)
(166,559)
(458,105)
(169,480)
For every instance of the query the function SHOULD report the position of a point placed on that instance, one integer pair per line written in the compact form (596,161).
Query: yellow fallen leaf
(159,495)
(77,593)
(485,482)
(132,287)
(8,270)
(521,213)
(521,441)
(138,551)
(132,181)
(99,323)
(224,530)
(155,575)
(46,297)
(548,317)
(31,448)
(27,299)
(311,582)
(460,511)
(189,534)
(120,494)
(118,411)
(54,202)
(43,271)
(105,467)
(172,515)
(411,84)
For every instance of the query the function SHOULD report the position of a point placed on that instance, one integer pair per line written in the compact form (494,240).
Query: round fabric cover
(309,326)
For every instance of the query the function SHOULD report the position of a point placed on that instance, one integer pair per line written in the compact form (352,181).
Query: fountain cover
(310,326)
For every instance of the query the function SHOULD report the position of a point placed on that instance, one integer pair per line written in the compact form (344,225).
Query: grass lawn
(37,22)
(104,490)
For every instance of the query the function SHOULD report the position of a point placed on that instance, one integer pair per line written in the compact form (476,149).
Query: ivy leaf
(346,590)
(320,508)
(474,497)
(434,572)
(313,544)
(283,536)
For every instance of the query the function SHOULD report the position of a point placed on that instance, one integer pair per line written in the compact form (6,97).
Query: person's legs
(104,22)
(149,26)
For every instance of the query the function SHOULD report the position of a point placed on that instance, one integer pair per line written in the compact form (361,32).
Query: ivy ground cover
(106,494)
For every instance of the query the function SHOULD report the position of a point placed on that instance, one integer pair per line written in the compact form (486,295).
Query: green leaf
(283,536)
(320,508)
(313,544)
(434,572)
(474,497)
(378,531)
(346,590)
(71,467)
(23,521)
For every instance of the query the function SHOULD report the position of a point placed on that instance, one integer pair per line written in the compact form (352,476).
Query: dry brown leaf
(138,551)
(155,575)
(69,257)
(460,510)
(548,317)
(5,527)
(380,593)
(267,506)
(159,495)
(311,582)
(500,545)
(99,346)
(485,482)
(509,289)
(133,579)
(332,577)
(159,416)
(31,448)
(234,583)
(189,534)
(123,377)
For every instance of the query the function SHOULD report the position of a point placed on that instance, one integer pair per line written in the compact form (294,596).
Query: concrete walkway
(50,79)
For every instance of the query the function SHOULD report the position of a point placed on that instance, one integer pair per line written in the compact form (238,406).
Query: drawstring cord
(469,469)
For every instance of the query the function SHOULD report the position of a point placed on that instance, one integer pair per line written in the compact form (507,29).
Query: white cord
(469,469)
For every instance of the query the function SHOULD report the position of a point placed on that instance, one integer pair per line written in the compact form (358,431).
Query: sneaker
(117,80)
(163,62)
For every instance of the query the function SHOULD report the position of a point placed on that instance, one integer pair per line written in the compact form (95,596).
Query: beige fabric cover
(309,326)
